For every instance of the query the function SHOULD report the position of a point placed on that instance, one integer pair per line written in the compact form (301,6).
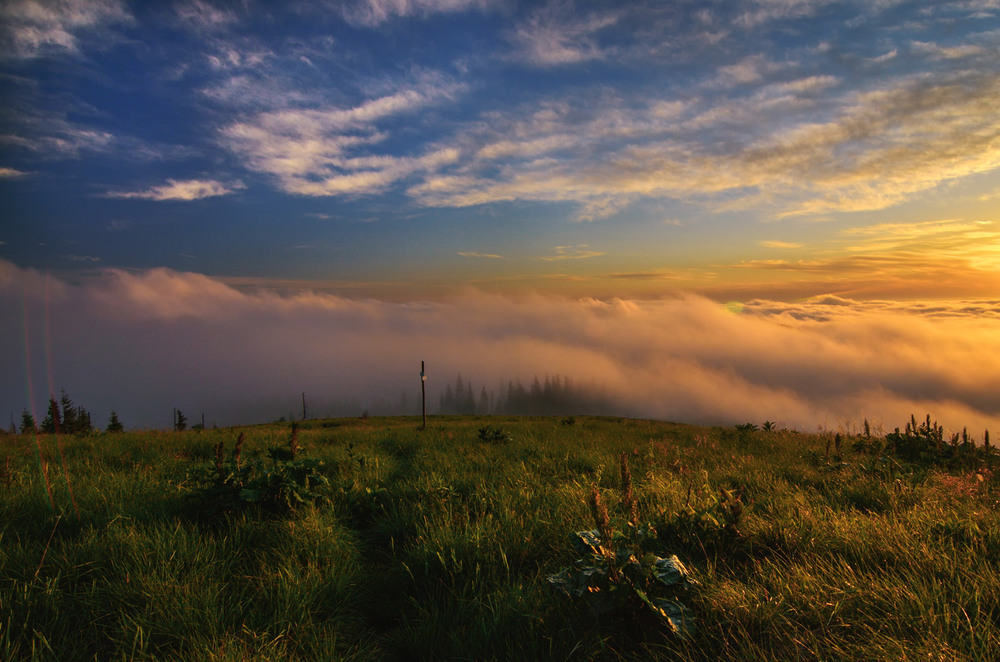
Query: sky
(716,211)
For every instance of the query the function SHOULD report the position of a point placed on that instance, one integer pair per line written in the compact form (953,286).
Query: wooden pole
(303,405)
(423,396)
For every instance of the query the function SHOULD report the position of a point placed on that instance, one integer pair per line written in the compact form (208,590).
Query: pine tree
(27,423)
(52,422)
(69,418)
(83,422)
(180,423)
(114,425)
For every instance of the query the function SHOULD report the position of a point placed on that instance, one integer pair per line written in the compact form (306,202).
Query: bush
(282,484)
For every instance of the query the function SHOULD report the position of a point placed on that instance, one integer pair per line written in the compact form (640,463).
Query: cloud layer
(144,342)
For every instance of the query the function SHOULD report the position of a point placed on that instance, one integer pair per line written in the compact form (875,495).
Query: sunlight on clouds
(578,252)
(490,256)
(773,243)
(160,338)
(875,150)
(309,151)
(192,189)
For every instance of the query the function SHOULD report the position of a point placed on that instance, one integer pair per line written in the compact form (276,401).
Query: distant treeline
(64,417)
(548,396)
(545,396)
(552,396)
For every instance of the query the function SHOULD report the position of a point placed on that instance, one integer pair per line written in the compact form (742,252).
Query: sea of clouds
(144,342)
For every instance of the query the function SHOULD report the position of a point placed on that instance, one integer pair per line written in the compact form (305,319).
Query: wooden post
(303,405)
(423,396)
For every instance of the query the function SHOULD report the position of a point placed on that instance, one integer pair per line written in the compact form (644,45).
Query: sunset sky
(718,210)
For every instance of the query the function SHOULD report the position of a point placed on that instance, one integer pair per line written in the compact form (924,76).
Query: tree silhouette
(52,422)
(69,414)
(27,423)
(114,425)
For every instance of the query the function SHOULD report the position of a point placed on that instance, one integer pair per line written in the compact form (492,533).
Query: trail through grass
(436,544)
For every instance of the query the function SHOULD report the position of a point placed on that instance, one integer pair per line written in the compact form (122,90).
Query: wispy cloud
(873,150)
(191,189)
(774,243)
(30,28)
(372,13)
(311,152)
(488,256)
(55,137)
(577,252)
(11,172)
(205,16)
(557,35)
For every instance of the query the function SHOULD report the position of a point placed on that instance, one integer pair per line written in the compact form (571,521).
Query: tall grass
(436,544)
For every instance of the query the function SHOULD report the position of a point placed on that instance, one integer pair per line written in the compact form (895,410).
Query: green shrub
(282,484)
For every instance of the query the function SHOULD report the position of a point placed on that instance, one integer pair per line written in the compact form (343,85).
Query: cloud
(55,137)
(204,16)
(864,150)
(557,35)
(779,244)
(751,69)
(949,52)
(10,173)
(311,152)
(372,13)
(144,342)
(191,189)
(31,28)
(488,256)
(578,252)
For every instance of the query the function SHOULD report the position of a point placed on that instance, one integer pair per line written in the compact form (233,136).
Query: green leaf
(670,571)
(587,542)
(681,618)
(252,496)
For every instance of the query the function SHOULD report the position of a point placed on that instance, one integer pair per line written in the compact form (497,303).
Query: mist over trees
(542,396)
(545,396)
(553,396)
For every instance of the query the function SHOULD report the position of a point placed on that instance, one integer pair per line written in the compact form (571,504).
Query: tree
(70,420)
(114,425)
(180,422)
(83,422)
(52,421)
(27,423)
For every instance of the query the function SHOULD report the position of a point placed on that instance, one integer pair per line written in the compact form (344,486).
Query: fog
(144,343)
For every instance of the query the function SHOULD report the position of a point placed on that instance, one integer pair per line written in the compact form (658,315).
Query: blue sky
(186,169)
(406,148)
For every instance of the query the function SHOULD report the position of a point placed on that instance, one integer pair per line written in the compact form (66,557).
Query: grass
(436,544)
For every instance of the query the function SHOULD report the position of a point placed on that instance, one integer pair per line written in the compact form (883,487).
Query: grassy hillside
(440,543)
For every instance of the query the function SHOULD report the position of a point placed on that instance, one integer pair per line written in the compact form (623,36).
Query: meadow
(499,538)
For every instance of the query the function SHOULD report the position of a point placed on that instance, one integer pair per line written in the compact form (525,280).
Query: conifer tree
(114,425)
(180,423)
(69,421)
(52,422)
(83,422)
(27,423)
